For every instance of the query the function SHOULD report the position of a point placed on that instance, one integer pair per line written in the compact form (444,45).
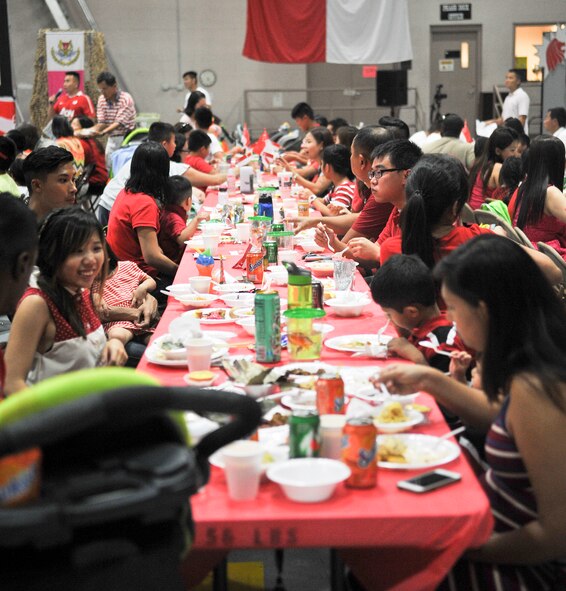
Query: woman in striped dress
(505,309)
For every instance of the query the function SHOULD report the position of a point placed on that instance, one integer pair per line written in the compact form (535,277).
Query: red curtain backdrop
(286,31)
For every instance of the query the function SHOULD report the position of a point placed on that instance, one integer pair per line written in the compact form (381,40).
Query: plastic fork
(429,345)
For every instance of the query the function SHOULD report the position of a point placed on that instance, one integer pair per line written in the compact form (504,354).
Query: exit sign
(459,11)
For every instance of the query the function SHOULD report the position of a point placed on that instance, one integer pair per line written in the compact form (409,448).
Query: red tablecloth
(392,539)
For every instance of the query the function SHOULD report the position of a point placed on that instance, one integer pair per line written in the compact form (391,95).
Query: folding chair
(467,215)
(489,218)
(524,238)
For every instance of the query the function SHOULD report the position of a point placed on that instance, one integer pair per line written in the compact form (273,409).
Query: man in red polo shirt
(72,102)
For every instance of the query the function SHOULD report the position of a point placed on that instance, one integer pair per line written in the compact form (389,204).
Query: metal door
(461,84)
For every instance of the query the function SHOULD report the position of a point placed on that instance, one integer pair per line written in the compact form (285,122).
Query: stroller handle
(125,405)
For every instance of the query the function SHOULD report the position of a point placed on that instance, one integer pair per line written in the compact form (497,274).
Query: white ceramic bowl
(238,300)
(321,268)
(308,480)
(248,324)
(342,307)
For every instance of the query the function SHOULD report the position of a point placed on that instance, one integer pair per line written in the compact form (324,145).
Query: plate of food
(211,315)
(356,343)
(393,417)
(170,351)
(413,451)
(235,287)
(299,400)
(196,300)
(245,312)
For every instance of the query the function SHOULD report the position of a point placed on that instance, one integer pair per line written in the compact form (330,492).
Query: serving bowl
(347,308)
(308,480)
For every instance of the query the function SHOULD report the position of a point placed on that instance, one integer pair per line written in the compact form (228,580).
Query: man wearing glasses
(391,164)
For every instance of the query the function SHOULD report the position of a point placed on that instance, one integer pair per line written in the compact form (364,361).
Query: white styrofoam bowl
(343,307)
(308,480)
(248,324)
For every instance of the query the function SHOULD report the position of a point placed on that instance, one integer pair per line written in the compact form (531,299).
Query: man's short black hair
(18,231)
(44,161)
(198,139)
(403,280)
(302,110)
(159,131)
(518,73)
(398,127)
(203,117)
(403,154)
(75,75)
(190,74)
(369,137)
(177,190)
(558,113)
(106,77)
(451,125)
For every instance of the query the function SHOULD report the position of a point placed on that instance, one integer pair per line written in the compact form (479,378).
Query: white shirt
(119,182)
(207,96)
(516,104)
(560,133)
(214,145)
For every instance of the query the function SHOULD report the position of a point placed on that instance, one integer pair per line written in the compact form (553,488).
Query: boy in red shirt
(174,230)
(404,288)
(199,148)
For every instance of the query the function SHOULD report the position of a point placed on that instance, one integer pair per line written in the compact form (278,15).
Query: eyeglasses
(377,174)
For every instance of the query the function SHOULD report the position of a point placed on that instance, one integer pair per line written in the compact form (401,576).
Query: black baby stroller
(117,474)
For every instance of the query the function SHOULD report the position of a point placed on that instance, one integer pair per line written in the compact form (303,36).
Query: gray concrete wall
(150,53)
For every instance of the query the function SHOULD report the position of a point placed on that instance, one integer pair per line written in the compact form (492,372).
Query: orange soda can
(254,267)
(330,395)
(359,452)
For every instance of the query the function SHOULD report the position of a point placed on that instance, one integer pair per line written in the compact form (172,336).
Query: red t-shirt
(372,219)
(129,212)
(72,107)
(445,245)
(173,220)
(94,155)
(392,227)
(199,164)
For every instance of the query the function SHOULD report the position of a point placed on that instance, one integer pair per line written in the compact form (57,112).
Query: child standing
(55,328)
(174,230)
(404,288)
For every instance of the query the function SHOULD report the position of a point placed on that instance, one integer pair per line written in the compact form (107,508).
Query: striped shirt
(342,195)
(121,109)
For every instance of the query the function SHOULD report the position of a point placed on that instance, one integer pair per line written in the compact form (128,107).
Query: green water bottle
(299,294)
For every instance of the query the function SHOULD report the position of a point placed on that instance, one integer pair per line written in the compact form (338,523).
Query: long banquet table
(391,539)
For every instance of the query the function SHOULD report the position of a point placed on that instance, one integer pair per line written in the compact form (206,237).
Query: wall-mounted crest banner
(65,52)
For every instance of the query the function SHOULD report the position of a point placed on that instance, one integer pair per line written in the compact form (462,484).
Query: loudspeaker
(391,88)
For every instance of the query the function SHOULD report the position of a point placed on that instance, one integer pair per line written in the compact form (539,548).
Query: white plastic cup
(331,427)
(285,180)
(243,231)
(242,466)
(246,179)
(200,283)
(199,354)
(211,243)
(212,229)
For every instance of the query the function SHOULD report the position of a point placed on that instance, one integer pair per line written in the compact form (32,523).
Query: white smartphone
(429,481)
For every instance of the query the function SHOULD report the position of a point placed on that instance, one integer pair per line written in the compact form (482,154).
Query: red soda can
(359,452)
(254,267)
(330,395)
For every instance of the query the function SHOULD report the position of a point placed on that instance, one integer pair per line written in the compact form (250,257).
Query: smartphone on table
(429,481)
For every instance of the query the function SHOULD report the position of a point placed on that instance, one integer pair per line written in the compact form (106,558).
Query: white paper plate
(355,343)
(234,287)
(322,327)
(300,400)
(155,355)
(414,418)
(423,451)
(203,314)
(248,312)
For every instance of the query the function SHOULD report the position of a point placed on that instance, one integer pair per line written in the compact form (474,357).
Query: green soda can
(271,252)
(304,436)
(278,227)
(267,327)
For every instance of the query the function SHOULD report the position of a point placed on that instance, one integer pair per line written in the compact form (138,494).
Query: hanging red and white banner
(7,114)
(65,53)
(337,32)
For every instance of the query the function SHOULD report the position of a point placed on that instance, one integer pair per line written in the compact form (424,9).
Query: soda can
(304,436)
(317,295)
(267,327)
(359,452)
(278,227)
(254,267)
(271,252)
(330,395)
(303,208)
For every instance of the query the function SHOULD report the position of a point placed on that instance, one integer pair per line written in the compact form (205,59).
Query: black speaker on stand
(391,88)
